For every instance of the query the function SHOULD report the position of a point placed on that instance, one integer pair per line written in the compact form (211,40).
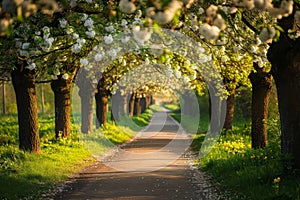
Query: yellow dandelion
(277,180)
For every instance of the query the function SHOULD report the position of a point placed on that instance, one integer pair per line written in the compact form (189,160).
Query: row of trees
(61,43)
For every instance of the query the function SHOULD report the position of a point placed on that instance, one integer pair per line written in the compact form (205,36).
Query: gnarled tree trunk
(284,56)
(62,100)
(261,89)
(24,85)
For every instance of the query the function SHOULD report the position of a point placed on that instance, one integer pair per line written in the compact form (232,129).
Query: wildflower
(277,180)
(65,76)
(63,23)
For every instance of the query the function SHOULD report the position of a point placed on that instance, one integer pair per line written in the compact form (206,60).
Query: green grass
(26,176)
(172,107)
(245,173)
(249,173)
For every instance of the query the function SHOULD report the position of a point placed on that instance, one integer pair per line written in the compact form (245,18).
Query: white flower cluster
(167,14)
(141,36)
(127,6)
(284,10)
(214,25)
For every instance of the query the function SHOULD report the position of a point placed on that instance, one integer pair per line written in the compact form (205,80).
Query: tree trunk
(101,97)
(87,100)
(86,93)
(116,105)
(62,101)
(131,104)
(137,106)
(261,89)
(284,56)
(124,105)
(143,104)
(229,111)
(217,108)
(24,86)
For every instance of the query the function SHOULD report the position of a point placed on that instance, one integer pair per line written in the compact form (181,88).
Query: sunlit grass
(27,176)
(245,173)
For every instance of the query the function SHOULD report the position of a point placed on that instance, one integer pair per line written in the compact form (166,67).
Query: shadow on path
(155,165)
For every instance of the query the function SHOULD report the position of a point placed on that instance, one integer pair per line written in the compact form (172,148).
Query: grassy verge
(245,173)
(26,176)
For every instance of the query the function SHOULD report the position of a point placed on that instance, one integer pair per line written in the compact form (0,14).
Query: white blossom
(65,76)
(209,32)
(81,41)
(125,39)
(112,53)
(108,39)
(84,61)
(76,48)
(90,33)
(84,17)
(75,36)
(124,22)
(89,22)
(141,35)
(89,1)
(63,23)
(98,57)
(31,66)
(127,6)
(211,11)
(110,29)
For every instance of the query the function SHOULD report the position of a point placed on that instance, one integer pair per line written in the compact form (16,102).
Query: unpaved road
(155,165)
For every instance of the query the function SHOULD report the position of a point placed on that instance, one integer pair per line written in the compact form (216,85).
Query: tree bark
(124,105)
(62,101)
(86,93)
(143,104)
(229,111)
(131,104)
(24,85)
(261,89)
(101,97)
(284,56)
(137,106)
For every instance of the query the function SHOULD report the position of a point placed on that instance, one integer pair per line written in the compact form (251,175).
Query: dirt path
(155,165)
